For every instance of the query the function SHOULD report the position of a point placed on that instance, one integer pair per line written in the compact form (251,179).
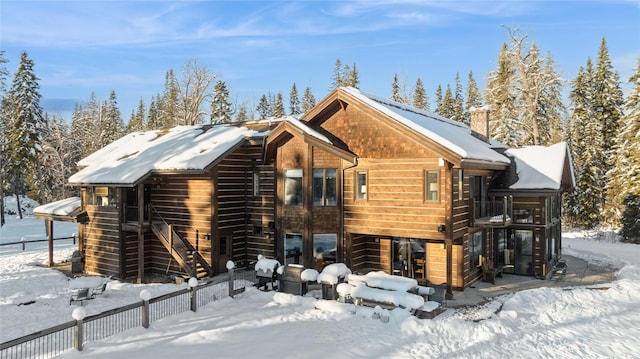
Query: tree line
(524,92)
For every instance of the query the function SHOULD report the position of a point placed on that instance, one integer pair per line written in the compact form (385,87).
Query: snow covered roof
(306,129)
(541,167)
(68,209)
(139,154)
(453,135)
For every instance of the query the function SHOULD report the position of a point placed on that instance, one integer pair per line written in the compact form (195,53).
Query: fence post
(74,238)
(232,277)
(23,243)
(193,284)
(78,332)
(145,296)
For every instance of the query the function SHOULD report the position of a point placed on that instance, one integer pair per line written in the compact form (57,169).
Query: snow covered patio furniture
(290,280)
(331,276)
(387,291)
(266,272)
(86,288)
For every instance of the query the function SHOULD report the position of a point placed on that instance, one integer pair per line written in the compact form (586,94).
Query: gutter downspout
(355,164)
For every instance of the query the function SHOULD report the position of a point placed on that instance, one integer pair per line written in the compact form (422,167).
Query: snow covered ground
(572,322)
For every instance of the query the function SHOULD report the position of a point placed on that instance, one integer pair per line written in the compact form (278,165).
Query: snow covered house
(359,179)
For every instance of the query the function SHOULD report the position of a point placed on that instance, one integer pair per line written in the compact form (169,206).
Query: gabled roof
(542,167)
(294,127)
(454,137)
(182,149)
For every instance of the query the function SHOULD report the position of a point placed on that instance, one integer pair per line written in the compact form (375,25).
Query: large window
(324,249)
(475,249)
(523,215)
(432,188)
(478,191)
(293,187)
(292,248)
(324,187)
(361,184)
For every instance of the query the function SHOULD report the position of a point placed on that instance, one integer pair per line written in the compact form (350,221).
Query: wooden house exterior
(359,179)
(178,220)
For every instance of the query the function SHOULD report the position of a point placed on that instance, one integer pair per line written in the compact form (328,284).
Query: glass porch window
(324,187)
(293,187)
(293,248)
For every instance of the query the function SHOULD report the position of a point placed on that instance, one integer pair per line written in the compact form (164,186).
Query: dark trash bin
(329,291)
(290,281)
(76,262)
(266,273)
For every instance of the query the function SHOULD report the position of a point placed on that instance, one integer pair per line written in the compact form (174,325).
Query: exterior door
(524,252)
(223,251)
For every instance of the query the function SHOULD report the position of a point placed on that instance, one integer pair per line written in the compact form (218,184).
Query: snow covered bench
(387,291)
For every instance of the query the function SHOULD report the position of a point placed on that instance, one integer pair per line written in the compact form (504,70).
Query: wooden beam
(140,233)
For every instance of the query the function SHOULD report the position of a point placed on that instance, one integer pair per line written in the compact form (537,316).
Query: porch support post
(50,230)
(140,233)
(448,234)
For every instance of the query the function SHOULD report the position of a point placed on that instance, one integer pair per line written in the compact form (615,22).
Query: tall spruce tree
(3,120)
(474,97)
(136,122)
(438,99)
(448,108)
(502,123)
(308,100)
(152,121)
(25,123)
(458,102)
(221,108)
(264,107)
(168,106)
(624,176)
(294,101)
(395,89)
(353,77)
(112,125)
(278,106)
(420,99)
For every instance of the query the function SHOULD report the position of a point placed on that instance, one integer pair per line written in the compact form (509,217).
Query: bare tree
(193,91)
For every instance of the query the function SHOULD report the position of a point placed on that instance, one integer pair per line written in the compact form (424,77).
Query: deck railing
(53,341)
(495,212)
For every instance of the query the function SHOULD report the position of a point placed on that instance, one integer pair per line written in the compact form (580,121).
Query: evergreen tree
(153,118)
(112,126)
(278,106)
(458,102)
(474,97)
(221,108)
(630,224)
(448,107)
(337,79)
(242,114)
(438,99)
(264,108)
(136,122)
(354,77)
(3,120)
(25,123)
(624,176)
(502,102)
(308,100)
(420,99)
(168,103)
(395,89)
(294,101)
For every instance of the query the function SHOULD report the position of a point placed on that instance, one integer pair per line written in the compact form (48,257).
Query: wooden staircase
(180,249)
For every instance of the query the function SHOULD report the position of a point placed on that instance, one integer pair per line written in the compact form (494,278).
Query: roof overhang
(66,210)
(286,131)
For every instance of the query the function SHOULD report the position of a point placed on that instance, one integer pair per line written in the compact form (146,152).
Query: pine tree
(264,108)
(395,89)
(168,103)
(308,100)
(474,97)
(242,114)
(420,99)
(438,99)
(337,79)
(25,123)
(153,120)
(624,176)
(3,120)
(278,106)
(136,122)
(448,107)
(294,101)
(353,77)
(502,102)
(458,102)
(221,108)
(112,126)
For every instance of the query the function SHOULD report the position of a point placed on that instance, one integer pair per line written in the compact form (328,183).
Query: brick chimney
(480,122)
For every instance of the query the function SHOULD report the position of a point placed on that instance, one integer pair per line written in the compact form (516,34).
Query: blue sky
(256,47)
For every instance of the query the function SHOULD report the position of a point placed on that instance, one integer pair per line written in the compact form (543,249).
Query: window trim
(284,187)
(428,184)
(324,201)
(358,194)
(256,184)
